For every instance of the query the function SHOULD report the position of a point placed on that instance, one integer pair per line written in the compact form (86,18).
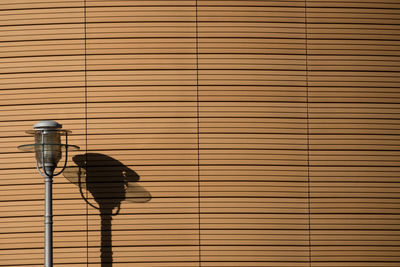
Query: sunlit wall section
(41,72)
(252,126)
(213,133)
(142,113)
(353,52)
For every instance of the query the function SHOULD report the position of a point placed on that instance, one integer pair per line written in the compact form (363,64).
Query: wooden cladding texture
(213,133)
(353,63)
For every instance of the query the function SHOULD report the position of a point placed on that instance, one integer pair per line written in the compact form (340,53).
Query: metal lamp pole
(48,220)
(48,149)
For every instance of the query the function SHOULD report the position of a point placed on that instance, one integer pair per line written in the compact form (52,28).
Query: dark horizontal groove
(217,229)
(260,213)
(168,261)
(212,149)
(161,37)
(170,5)
(355,72)
(200,22)
(205,180)
(301,183)
(381,41)
(313,184)
(214,101)
(299,11)
(122,54)
(199,5)
(169,21)
(82,262)
(218,85)
(259,165)
(89,7)
(189,28)
(128,54)
(227,245)
(178,101)
(227,197)
(269,261)
(214,229)
(44,104)
(53,87)
(202,132)
(205,37)
(175,117)
(225,117)
(352,136)
(219,213)
(174,213)
(249,183)
(266,16)
(230,101)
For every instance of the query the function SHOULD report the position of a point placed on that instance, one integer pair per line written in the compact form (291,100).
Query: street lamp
(48,149)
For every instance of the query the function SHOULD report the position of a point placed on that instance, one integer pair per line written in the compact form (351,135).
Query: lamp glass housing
(48,141)
(50,147)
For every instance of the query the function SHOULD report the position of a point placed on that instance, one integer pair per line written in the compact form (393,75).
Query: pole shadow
(110,182)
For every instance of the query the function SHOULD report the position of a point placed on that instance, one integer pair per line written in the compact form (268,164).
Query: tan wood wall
(266,132)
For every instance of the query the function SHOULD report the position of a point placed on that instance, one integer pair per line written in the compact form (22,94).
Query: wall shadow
(110,182)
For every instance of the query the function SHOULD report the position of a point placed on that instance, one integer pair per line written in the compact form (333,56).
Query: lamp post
(48,149)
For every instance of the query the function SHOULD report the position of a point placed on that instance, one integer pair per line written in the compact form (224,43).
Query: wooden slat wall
(353,62)
(264,133)
(252,109)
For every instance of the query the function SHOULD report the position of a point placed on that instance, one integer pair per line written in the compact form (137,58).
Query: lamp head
(48,147)
(48,143)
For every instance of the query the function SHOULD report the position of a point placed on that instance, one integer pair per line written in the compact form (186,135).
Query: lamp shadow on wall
(110,182)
